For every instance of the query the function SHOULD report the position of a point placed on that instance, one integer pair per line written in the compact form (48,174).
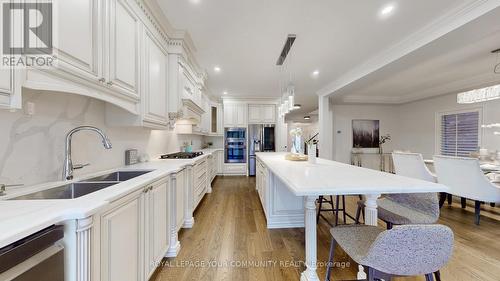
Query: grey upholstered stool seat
(405,250)
(397,209)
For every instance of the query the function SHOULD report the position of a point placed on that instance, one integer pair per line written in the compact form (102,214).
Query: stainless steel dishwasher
(34,258)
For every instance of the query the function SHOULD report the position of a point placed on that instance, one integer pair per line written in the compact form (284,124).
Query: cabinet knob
(102,80)
(110,83)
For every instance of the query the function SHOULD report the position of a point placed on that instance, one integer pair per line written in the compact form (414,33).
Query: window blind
(460,133)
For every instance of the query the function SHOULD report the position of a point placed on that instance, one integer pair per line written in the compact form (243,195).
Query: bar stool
(335,209)
(406,250)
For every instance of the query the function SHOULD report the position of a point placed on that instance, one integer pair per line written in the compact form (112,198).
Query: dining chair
(418,208)
(465,178)
(407,250)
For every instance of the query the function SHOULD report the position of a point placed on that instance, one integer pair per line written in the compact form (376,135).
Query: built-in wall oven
(235,145)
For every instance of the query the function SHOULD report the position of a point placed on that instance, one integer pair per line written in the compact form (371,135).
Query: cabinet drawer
(236,169)
(199,179)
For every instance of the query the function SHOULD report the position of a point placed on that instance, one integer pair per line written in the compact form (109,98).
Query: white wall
(412,126)
(342,126)
(32,147)
(417,131)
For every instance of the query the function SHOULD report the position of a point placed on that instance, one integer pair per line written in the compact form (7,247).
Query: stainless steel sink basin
(117,176)
(78,189)
(68,191)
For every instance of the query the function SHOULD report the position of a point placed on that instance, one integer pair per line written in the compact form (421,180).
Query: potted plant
(382,141)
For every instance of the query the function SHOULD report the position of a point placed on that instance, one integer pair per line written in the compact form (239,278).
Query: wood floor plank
(230,225)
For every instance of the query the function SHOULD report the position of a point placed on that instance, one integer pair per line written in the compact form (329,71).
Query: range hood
(190,117)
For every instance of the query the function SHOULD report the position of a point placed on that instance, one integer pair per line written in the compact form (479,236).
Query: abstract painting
(365,133)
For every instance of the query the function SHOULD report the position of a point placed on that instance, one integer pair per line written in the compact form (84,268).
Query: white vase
(311,154)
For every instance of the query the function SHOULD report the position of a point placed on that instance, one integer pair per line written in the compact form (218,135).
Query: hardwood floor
(230,227)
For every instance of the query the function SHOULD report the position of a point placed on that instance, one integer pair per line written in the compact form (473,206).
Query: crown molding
(456,86)
(431,32)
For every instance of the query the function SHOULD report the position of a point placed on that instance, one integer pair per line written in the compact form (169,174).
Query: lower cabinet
(156,241)
(134,234)
(219,160)
(122,235)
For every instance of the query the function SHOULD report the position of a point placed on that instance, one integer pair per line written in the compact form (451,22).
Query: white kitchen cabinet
(10,89)
(78,45)
(254,113)
(269,113)
(155,97)
(235,115)
(123,48)
(156,228)
(261,113)
(134,233)
(219,160)
(122,234)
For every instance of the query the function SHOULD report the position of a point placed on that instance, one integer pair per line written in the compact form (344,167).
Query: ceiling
(459,61)
(245,38)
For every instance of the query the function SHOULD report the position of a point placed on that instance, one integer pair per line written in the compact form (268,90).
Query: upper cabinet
(261,113)
(10,94)
(155,72)
(79,43)
(216,123)
(235,115)
(122,48)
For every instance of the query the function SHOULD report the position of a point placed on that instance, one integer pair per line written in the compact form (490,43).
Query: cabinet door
(78,43)
(241,115)
(155,92)
(268,113)
(219,161)
(123,49)
(220,120)
(157,225)
(180,187)
(6,87)
(254,113)
(229,115)
(121,240)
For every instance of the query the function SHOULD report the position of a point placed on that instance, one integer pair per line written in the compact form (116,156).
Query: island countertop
(328,177)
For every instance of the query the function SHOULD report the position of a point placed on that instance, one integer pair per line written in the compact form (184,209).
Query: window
(459,133)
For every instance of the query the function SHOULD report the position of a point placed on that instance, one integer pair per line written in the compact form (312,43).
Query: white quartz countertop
(335,178)
(20,218)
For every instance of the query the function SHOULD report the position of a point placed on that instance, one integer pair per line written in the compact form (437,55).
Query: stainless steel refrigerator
(261,138)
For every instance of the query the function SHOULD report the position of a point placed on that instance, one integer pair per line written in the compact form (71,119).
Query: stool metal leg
(319,209)
(343,209)
(337,210)
(330,260)
(437,274)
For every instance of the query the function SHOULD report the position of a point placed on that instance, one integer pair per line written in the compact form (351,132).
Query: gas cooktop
(182,155)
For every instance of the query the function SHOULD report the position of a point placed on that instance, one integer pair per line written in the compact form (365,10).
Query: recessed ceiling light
(297,106)
(307,117)
(194,1)
(387,10)
(217,69)
(224,93)
(316,73)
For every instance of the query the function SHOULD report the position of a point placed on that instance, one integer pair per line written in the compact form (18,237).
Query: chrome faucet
(68,164)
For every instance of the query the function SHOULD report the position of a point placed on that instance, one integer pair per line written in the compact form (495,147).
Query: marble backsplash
(32,146)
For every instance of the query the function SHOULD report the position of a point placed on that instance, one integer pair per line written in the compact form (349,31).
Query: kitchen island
(288,191)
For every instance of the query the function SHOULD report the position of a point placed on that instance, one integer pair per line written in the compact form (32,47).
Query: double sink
(84,187)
